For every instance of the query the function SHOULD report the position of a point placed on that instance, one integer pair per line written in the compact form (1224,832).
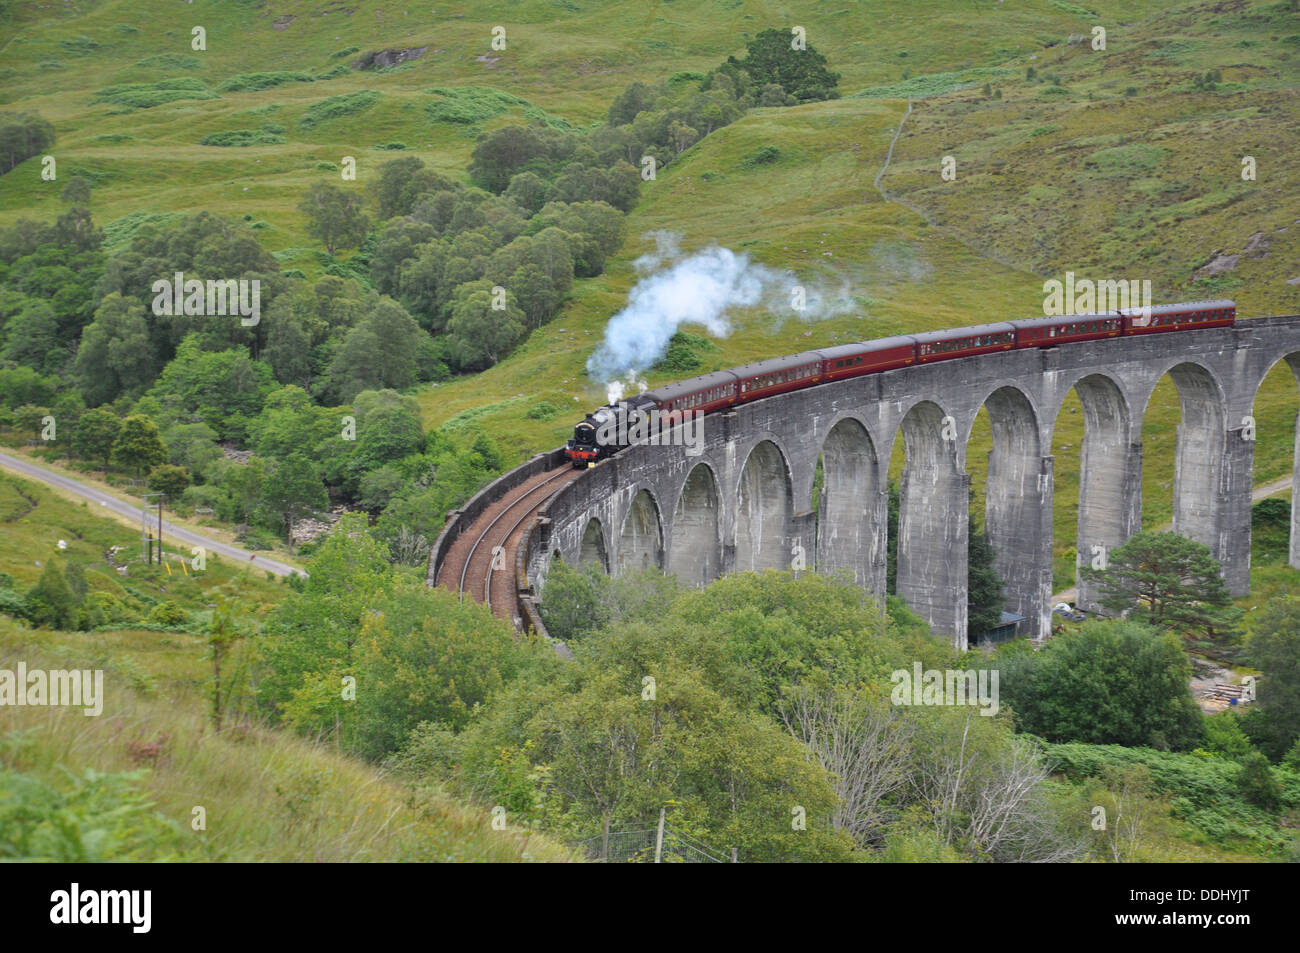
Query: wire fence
(638,847)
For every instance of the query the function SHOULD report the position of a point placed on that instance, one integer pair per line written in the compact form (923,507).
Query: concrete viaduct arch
(744,501)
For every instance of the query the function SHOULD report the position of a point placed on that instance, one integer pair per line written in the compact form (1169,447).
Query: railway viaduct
(745,501)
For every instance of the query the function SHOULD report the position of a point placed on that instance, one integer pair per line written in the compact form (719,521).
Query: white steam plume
(700,288)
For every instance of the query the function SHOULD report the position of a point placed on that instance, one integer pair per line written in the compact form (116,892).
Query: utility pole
(146,540)
(659,837)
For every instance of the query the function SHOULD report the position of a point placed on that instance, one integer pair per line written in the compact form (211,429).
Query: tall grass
(264,795)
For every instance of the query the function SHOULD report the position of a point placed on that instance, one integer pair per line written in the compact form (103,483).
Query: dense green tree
(290,422)
(388,428)
(22,385)
(288,351)
(75,229)
(23,238)
(534,293)
(192,446)
(502,152)
(115,356)
(64,280)
(636,98)
(480,335)
(29,417)
(22,135)
(316,628)
(246,482)
(1257,783)
(77,191)
(1111,683)
(803,74)
(423,289)
(473,654)
(398,243)
(1223,736)
(67,410)
(1169,582)
(169,479)
(138,445)
(378,353)
(334,216)
(51,602)
(597,228)
(402,181)
(31,338)
(575,603)
(618,185)
(1274,648)
(222,388)
(95,435)
(292,490)
(528,190)
(985,589)
(201,246)
(378,487)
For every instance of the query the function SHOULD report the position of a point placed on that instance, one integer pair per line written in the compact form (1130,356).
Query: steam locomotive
(739,385)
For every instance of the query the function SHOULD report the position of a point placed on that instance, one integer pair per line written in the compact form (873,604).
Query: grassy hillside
(123,785)
(1123,161)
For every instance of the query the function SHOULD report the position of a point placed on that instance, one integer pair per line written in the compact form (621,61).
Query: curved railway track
(485,551)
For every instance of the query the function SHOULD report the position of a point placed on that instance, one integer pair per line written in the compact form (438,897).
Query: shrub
(1274,511)
(764,155)
(246,82)
(466,105)
(12,603)
(1223,736)
(93,817)
(242,137)
(168,613)
(542,410)
(1257,783)
(336,107)
(148,95)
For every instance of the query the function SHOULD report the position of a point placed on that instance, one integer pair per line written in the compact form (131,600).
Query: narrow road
(1259,493)
(187,536)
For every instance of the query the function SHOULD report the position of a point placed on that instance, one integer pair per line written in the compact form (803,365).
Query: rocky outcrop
(384,58)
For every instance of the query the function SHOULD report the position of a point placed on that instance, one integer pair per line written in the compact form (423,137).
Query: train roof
(1062,319)
(692,385)
(1214,305)
(776,364)
(961,333)
(865,347)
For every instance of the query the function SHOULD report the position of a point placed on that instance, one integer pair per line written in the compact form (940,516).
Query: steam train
(739,385)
